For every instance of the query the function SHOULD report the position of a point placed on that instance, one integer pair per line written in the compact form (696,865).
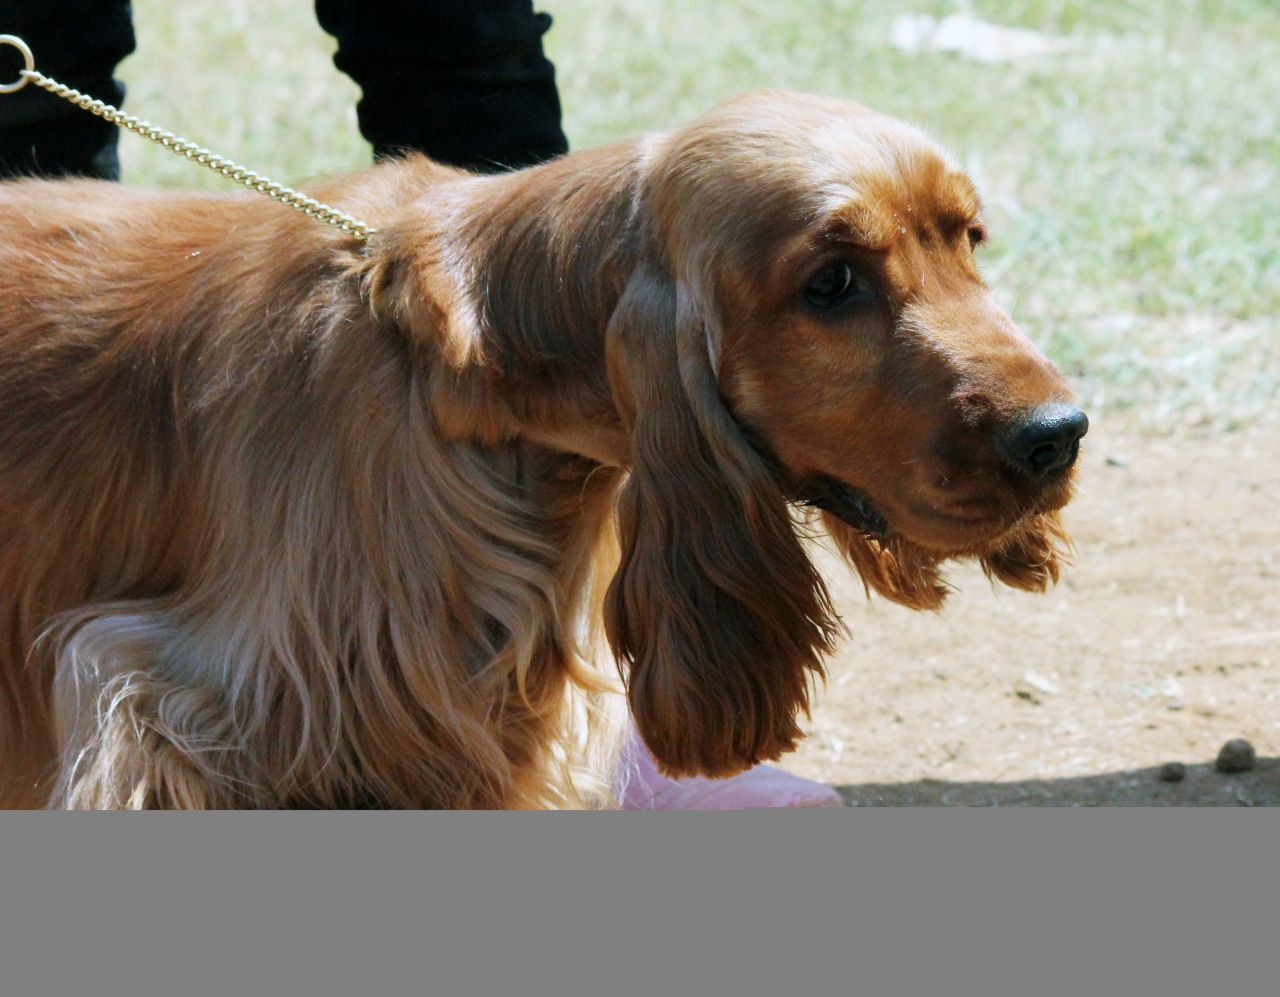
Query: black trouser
(77,42)
(464,81)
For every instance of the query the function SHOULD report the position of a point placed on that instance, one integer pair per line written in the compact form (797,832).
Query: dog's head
(807,325)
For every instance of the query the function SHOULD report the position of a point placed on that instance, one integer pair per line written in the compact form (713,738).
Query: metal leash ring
(28,59)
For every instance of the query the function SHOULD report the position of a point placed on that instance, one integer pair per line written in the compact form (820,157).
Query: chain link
(309,206)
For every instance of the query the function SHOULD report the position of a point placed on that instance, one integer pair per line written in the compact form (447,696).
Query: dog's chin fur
(1029,557)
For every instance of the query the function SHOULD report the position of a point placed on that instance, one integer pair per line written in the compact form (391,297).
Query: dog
(291,520)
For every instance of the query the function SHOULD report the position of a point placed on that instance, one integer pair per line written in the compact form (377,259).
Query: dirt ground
(1161,643)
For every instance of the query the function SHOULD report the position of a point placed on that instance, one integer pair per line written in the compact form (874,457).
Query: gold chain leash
(309,206)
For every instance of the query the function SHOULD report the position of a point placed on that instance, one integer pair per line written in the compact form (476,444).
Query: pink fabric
(643,787)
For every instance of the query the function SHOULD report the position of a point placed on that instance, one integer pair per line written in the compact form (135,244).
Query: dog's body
(289,521)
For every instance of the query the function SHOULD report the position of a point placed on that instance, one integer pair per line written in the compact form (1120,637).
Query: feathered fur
(290,521)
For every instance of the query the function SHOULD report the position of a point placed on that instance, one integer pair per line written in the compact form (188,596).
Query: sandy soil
(1161,643)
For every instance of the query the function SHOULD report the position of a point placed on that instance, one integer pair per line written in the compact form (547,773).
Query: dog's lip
(855,508)
(999,507)
(992,514)
(849,504)
(960,518)
(967,532)
(969,512)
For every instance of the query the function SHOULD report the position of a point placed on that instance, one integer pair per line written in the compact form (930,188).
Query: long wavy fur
(288,521)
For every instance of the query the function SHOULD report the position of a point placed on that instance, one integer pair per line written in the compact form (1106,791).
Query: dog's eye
(836,285)
(977,235)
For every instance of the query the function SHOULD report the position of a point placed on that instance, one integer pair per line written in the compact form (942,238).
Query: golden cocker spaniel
(289,520)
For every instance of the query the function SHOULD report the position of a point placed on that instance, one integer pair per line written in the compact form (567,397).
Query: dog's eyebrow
(953,221)
(958,204)
(861,227)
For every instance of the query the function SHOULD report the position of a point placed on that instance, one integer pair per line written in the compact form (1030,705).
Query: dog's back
(220,489)
(122,325)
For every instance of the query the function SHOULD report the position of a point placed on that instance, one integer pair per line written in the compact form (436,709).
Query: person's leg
(77,42)
(466,83)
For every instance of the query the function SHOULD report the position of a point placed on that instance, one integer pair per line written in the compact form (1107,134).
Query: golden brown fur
(289,522)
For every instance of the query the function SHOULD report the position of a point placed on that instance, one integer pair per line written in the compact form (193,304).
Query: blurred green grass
(1132,183)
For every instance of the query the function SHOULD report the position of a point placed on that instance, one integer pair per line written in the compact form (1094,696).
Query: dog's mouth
(854,508)
(846,503)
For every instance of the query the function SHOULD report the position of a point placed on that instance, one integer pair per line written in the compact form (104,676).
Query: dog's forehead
(766,167)
(825,152)
(823,131)
(871,170)
(874,206)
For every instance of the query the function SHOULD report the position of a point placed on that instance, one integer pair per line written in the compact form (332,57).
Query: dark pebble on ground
(1237,755)
(1173,772)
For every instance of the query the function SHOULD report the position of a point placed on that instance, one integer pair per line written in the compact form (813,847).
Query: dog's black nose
(1047,438)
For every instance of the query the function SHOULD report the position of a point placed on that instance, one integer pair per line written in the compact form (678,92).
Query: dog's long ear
(715,606)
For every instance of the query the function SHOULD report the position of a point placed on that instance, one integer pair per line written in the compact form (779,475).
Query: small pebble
(1173,772)
(1237,755)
